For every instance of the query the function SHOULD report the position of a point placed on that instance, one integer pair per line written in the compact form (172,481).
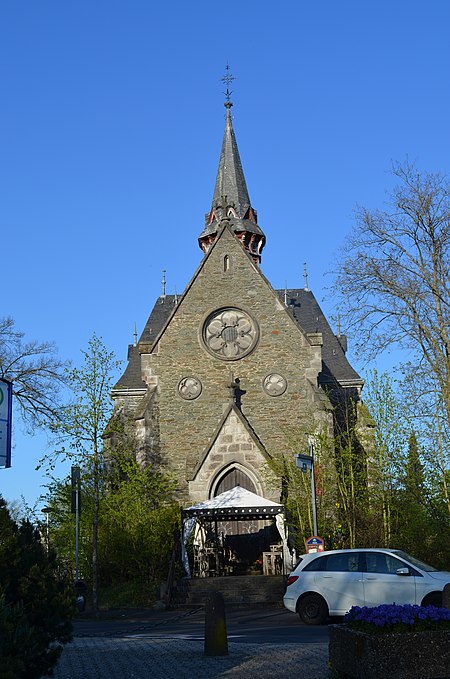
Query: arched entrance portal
(244,541)
(235,477)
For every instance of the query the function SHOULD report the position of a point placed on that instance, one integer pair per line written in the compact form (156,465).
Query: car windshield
(415,562)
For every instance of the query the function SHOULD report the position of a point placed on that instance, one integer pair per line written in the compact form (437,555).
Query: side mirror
(403,571)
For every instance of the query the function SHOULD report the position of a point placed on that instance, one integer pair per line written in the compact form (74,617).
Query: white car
(330,583)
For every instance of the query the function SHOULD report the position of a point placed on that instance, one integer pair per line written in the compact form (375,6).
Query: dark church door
(242,537)
(235,477)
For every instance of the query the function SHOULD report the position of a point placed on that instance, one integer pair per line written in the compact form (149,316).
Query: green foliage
(36,606)
(405,505)
(377,481)
(80,426)
(296,486)
(137,520)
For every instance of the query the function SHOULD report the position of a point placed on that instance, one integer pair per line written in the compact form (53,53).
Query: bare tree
(35,371)
(393,277)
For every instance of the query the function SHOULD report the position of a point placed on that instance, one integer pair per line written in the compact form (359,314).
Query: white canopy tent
(237,504)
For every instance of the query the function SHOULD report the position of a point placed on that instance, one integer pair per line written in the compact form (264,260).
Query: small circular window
(189,388)
(274,384)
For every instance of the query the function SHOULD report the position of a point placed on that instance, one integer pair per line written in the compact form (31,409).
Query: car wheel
(433,599)
(312,609)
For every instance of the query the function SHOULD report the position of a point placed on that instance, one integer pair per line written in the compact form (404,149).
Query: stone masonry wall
(233,447)
(186,426)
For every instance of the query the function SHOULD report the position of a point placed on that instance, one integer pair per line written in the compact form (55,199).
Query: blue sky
(111,121)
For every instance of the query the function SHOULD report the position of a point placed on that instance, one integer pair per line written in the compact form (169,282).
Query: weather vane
(227,79)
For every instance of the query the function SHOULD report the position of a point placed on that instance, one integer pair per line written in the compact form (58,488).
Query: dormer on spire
(231,202)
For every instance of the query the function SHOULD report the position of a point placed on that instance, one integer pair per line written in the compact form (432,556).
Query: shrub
(36,607)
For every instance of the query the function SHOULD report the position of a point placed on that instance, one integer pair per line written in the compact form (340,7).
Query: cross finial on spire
(227,79)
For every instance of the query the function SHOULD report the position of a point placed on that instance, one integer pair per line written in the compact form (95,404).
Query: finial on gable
(305,278)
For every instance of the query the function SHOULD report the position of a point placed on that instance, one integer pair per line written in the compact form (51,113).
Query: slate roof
(310,317)
(157,319)
(131,378)
(301,304)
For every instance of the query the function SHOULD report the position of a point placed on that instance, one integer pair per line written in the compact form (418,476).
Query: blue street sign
(5,422)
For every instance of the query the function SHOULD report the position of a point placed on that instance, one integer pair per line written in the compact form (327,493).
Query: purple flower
(394,618)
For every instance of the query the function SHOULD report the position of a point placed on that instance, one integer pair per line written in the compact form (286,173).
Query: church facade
(221,373)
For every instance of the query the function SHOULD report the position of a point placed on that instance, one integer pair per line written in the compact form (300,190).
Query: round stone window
(189,388)
(274,384)
(230,334)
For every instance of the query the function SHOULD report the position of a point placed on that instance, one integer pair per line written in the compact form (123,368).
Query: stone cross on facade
(235,391)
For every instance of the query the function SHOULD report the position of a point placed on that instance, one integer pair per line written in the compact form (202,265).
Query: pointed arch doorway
(235,477)
(244,541)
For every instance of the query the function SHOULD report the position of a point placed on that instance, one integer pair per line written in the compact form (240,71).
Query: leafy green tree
(36,607)
(80,427)
(136,518)
(296,485)
(351,477)
(415,532)
(388,458)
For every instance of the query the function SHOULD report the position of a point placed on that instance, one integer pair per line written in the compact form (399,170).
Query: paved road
(268,625)
(169,645)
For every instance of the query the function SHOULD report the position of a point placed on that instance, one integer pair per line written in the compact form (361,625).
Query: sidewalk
(178,658)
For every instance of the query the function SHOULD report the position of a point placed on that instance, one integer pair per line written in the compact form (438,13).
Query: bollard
(446,596)
(216,641)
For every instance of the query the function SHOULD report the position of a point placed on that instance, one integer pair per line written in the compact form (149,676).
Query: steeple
(231,202)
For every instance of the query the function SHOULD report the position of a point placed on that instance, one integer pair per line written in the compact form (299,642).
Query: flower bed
(402,642)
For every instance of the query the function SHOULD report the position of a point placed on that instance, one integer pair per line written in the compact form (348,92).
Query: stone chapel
(222,370)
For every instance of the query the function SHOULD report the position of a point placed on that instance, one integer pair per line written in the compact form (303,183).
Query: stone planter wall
(412,655)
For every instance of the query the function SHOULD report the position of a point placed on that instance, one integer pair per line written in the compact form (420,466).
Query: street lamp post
(306,463)
(76,492)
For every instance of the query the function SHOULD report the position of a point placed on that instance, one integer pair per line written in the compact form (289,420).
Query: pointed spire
(231,202)
(230,181)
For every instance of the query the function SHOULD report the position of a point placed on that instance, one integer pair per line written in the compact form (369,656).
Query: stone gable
(232,447)
(229,279)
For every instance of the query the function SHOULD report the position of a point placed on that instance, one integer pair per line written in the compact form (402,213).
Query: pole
(77,522)
(75,508)
(46,511)
(313,490)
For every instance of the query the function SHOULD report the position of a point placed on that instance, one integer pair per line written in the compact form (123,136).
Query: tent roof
(233,505)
